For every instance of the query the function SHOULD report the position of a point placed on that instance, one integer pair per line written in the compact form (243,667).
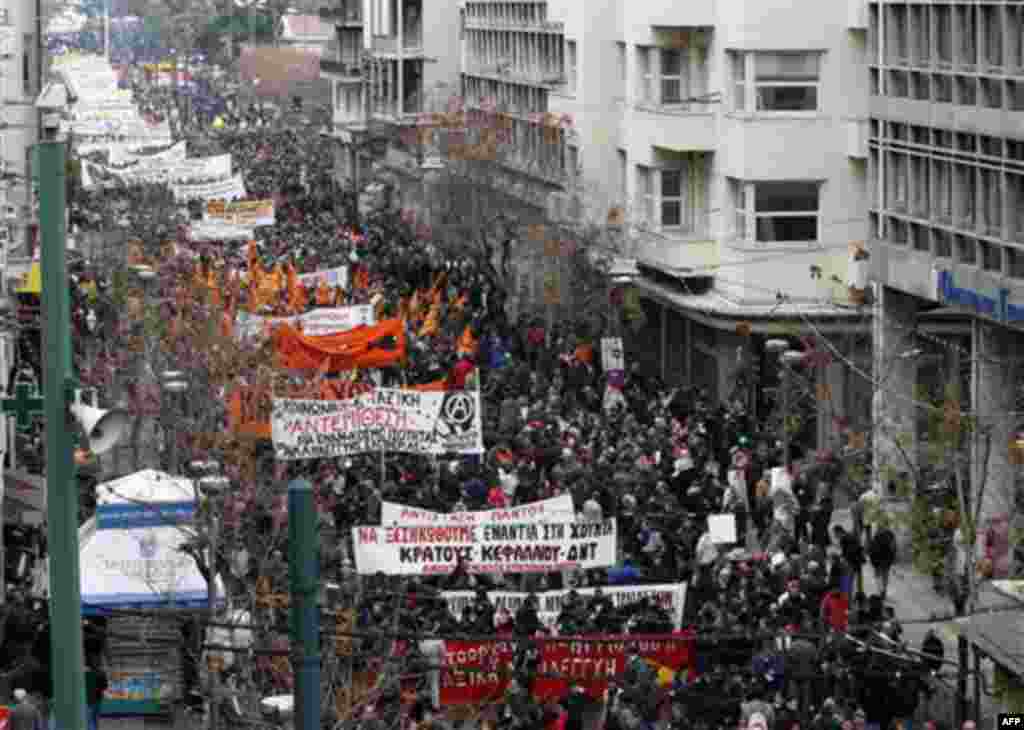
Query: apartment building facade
(389,58)
(946,171)
(20,61)
(731,133)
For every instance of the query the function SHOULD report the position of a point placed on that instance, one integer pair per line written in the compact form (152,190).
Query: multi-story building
(946,172)
(730,134)
(389,58)
(20,71)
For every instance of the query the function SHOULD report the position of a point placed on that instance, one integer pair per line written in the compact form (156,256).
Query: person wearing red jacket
(835,610)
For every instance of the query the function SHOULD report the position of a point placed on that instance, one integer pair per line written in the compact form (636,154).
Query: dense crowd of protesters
(785,636)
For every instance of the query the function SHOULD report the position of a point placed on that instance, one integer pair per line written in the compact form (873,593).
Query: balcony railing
(411,43)
(343,14)
(505,72)
(347,69)
(509,24)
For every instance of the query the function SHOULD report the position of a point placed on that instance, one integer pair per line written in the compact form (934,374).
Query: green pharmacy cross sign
(24,406)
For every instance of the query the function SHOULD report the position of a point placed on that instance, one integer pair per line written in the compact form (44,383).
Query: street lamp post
(66,654)
(173,383)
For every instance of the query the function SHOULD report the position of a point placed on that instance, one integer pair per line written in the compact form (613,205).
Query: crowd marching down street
(524,532)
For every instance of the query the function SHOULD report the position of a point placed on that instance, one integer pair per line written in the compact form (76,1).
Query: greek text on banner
(476,672)
(669,596)
(519,548)
(383,419)
(555,509)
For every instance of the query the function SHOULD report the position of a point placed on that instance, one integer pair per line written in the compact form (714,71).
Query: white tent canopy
(133,559)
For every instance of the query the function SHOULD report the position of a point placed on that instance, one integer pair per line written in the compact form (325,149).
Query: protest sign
(491,548)
(722,528)
(334,277)
(231,189)
(124,156)
(323,321)
(206,231)
(612,355)
(241,212)
(669,596)
(384,419)
(478,671)
(555,509)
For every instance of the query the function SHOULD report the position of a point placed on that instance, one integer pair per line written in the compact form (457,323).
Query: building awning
(1000,636)
(715,304)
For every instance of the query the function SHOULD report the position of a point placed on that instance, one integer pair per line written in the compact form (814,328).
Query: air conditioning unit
(9,212)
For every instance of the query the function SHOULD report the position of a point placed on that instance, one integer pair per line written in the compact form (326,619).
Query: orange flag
(252,255)
(278,278)
(467,342)
(324,295)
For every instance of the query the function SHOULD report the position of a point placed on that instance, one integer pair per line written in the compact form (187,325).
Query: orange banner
(377,346)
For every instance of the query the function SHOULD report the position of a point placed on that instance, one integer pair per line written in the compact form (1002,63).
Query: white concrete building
(946,202)
(20,67)
(730,134)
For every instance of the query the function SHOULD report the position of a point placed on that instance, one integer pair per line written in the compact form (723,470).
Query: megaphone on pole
(102,428)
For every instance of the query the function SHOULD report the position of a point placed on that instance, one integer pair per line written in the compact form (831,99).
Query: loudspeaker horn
(102,428)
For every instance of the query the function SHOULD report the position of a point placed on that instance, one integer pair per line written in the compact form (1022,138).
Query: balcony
(341,70)
(506,72)
(344,14)
(412,44)
(533,26)
(677,250)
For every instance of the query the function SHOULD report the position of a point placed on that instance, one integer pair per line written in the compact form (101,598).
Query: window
(645,77)
(671,195)
(782,81)
(570,60)
(645,192)
(671,198)
(943,191)
(620,57)
(671,76)
(623,175)
(26,64)
(897,182)
(739,81)
(943,20)
(777,212)
(572,161)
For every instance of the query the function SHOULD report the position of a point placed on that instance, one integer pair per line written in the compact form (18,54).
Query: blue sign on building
(998,307)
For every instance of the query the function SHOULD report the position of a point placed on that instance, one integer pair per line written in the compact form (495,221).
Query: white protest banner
(123,156)
(175,171)
(230,189)
(208,231)
(334,277)
(384,419)
(107,143)
(669,596)
(107,127)
(121,113)
(241,212)
(491,548)
(546,510)
(322,321)
(612,355)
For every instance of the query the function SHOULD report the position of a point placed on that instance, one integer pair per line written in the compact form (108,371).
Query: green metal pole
(66,660)
(304,573)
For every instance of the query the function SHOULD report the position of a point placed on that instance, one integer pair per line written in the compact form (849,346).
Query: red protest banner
(476,672)
(592,664)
